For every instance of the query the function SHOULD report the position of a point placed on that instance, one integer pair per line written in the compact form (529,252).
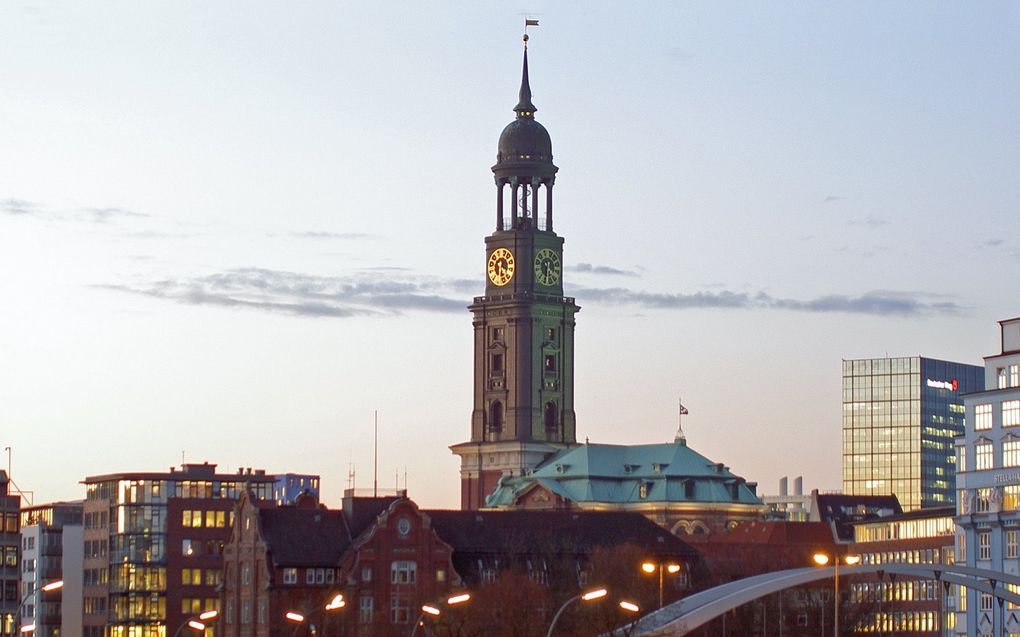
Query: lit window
(985,545)
(983,497)
(983,456)
(982,417)
(1010,413)
(1011,453)
(1014,375)
(403,572)
(961,459)
(1003,378)
(1011,497)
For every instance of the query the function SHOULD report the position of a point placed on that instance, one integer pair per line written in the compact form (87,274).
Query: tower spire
(524,106)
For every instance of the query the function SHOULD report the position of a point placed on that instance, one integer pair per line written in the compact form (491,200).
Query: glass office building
(900,416)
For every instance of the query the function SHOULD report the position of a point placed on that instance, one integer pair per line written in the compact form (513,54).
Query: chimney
(783,486)
(798,485)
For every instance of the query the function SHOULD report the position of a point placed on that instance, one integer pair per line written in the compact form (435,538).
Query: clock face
(501,266)
(547,267)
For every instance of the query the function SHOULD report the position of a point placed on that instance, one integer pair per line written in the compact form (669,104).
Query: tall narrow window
(982,417)
(1010,413)
(550,362)
(983,456)
(550,417)
(497,363)
(496,417)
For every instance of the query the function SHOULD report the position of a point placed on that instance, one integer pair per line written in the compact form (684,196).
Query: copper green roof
(618,474)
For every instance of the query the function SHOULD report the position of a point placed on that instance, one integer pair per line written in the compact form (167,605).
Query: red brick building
(387,557)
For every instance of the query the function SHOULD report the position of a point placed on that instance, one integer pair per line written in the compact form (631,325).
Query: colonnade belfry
(524,167)
(523,398)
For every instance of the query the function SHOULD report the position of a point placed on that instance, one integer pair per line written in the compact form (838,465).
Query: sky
(234,231)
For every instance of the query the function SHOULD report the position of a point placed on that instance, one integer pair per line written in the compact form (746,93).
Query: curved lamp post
(822,559)
(198,622)
(434,610)
(334,602)
(45,588)
(588,596)
(662,567)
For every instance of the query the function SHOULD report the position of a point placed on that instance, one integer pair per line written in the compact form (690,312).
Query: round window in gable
(404,526)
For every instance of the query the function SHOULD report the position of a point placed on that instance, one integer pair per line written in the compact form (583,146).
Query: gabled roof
(298,536)
(619,474)
(570,532)
(841,511)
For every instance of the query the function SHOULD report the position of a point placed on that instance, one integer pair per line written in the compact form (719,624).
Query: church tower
(523,326)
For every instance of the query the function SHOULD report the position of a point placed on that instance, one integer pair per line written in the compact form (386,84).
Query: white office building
(988,488)
(52,550)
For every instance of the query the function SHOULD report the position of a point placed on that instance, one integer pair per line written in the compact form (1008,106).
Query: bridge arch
(693,611)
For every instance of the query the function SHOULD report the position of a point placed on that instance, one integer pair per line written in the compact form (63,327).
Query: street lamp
(46,588)
(589,596)
(821,559)
(662,567)
(435,611)
(334,602)
(198,622)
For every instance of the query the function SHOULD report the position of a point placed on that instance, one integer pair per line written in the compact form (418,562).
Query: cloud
(317,234)
(19,207)
(870,221)
(105,215)
(396,292)
(881,303)
(831,198)
(993,243)
(587,268)
(296,294)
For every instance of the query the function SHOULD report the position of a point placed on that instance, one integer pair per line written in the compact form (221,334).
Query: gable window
(403,572)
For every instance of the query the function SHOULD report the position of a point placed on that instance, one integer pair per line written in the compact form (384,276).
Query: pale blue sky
(236,229)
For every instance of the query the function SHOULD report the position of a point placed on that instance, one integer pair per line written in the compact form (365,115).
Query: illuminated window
(1001,373)
(985,545)
(983,456)
(1011,453)
(1010,413)
(403,572)
(1011,497)
(191,576)
(982,417)
(961,459)
(983,499)
(1014,375)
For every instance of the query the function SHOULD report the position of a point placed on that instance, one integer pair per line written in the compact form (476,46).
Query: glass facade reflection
(900,416)
(134,527)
